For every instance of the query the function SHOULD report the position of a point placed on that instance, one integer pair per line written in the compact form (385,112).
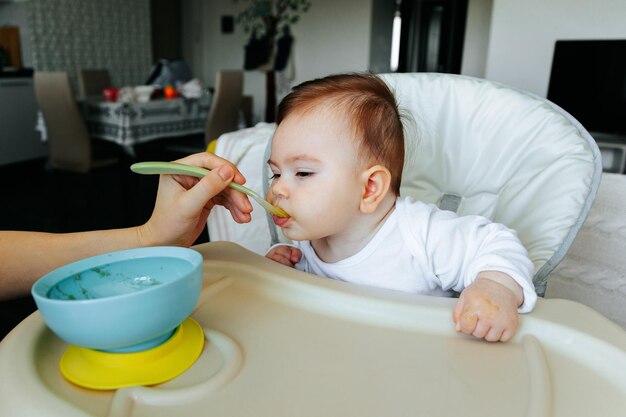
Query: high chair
(474,147)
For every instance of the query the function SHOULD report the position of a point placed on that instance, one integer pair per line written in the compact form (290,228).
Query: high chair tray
(283,343)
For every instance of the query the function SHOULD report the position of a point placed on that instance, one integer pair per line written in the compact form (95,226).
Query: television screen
(588,80)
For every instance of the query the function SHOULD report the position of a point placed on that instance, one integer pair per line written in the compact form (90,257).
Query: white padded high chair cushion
(246,149)
(510,156)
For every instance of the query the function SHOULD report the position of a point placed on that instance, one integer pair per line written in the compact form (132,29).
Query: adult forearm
(26,256)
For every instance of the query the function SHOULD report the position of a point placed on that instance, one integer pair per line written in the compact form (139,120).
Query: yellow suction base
(105,370)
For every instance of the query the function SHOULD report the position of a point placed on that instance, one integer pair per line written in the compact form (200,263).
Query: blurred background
(274,45)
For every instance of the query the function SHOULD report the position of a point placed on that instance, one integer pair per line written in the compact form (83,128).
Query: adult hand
(487,309)
(183,202)
(180,213)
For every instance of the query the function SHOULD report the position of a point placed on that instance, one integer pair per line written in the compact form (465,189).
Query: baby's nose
(279,189)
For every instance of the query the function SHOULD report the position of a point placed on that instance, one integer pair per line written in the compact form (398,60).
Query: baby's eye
(303,174)
(274,176)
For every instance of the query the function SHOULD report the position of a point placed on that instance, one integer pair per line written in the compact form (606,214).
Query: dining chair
(227,103)
(225,106)
(69,143)
(247,105)
(91,82)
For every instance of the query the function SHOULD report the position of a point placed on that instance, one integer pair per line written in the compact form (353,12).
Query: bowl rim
(41,287)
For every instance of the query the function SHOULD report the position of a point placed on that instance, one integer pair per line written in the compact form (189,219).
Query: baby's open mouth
(280,221)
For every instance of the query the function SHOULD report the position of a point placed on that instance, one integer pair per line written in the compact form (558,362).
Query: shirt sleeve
(458,248)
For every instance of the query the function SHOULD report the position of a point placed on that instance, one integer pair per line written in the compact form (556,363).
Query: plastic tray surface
(283,343)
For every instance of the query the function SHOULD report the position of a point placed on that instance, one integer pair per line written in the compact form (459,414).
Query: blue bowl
(124,301)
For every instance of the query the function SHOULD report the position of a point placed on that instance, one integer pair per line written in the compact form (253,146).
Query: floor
(35,198)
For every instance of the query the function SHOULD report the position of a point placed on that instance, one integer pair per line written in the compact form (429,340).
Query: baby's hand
(488,309)
(286,255)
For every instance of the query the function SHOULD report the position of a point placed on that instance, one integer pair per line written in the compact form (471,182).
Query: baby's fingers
(482,329)
(467,323)
(496,334)
(284,255)
(464,317)
(295,255)
(280,259)
(456,312)
(507,335)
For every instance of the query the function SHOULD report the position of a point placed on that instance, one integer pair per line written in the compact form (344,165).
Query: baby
(336,158)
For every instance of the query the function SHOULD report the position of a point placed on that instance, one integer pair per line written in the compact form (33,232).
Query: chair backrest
(225,105)
(479,147)
(69,141)
(92,81)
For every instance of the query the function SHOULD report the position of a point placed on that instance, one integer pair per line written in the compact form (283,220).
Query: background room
(505,41)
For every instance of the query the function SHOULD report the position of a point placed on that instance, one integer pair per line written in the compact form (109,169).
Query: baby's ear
(376,182)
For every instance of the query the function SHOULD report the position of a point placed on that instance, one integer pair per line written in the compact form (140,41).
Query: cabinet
(19,141)
(10,42)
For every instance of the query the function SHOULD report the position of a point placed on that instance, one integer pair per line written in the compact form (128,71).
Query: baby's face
(316,174)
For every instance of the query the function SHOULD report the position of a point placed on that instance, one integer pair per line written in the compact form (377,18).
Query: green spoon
(194,171)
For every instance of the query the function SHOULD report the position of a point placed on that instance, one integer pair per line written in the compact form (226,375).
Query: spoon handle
(156,167)
(176,168)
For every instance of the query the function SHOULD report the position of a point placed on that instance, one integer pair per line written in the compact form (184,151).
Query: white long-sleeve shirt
(425,250)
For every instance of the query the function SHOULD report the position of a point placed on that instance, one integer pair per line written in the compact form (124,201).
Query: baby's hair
(372,111)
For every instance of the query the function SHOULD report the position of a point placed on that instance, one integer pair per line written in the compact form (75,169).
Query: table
(129,124)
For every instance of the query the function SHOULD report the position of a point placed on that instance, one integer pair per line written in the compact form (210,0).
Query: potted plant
(264,20)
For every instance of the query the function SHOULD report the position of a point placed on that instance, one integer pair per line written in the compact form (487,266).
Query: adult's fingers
(212,161)
(236,203)
(209,186)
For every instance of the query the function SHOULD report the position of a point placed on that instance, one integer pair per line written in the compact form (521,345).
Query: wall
(506,40)
(205,49)
(476,38)
(383,12)
(333,36)
(166,29)
(71,34)
(523,33)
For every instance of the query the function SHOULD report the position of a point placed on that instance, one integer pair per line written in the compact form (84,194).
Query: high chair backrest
(473,147)
(479,147)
